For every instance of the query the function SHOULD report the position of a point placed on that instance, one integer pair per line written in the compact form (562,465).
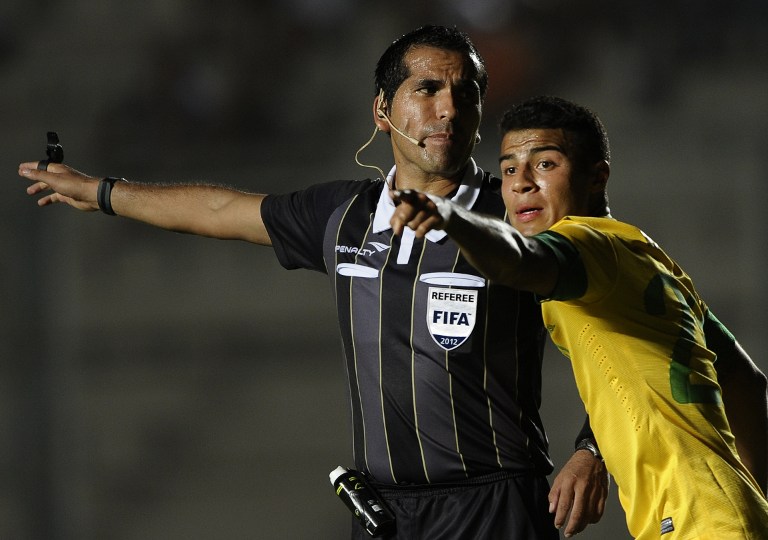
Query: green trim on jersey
(572,277)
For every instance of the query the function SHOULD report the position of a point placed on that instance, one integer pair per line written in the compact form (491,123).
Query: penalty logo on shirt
(451,315)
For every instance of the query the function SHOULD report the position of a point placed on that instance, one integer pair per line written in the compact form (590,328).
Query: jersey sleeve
(587,262)
(721,341)
(296,221)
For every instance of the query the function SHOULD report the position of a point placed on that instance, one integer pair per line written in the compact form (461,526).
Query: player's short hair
(587,132)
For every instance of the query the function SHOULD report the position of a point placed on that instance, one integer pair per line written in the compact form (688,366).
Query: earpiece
(380,107)
(381,113)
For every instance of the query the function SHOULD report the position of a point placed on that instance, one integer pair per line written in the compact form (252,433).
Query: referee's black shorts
(497,506)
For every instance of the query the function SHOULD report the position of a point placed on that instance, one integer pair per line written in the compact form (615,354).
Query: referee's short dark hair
(391,70)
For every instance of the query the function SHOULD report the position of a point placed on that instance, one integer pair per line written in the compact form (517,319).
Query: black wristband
(104,195)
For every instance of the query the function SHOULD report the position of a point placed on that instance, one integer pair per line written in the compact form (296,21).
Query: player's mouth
(527,214)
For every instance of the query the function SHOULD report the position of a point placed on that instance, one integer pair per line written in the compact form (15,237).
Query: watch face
(589,445)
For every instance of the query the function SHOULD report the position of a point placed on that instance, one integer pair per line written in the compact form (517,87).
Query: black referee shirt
(444,367)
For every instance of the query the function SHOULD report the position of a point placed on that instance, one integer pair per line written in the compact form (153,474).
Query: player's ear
(600,173)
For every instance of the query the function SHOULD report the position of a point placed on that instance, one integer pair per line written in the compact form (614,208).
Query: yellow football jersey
(632,324)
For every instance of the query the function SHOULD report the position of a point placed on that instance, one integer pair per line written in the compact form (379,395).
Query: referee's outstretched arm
(206,210)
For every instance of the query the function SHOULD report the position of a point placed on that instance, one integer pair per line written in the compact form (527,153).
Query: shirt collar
(465,196)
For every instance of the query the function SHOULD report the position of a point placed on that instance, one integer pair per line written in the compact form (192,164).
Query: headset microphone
(383,115)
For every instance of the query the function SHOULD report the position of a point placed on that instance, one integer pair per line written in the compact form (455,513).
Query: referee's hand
(60,184)
(579,492)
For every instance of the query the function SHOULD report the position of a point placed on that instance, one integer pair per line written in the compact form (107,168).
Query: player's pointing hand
(419,211)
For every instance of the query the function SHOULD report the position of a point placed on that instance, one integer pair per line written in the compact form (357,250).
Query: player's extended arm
(745,397)
(205,210)
(494,247)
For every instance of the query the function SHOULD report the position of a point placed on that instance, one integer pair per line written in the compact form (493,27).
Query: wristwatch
(591,446)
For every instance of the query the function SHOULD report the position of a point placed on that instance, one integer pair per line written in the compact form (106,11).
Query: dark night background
(155,385)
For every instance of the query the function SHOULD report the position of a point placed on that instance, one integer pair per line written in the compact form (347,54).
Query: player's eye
(546,164)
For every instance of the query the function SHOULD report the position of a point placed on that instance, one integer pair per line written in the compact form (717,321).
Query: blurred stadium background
(155,385)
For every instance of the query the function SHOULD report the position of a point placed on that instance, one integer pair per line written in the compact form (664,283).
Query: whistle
(53,150)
